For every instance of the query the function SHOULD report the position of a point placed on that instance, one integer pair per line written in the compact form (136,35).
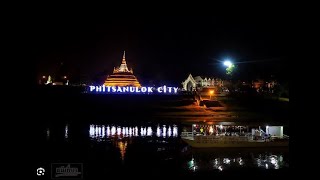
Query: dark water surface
(147,148)
(117,137)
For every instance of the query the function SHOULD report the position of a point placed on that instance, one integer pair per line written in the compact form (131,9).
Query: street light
(227,63)
(211,93)
(230,67)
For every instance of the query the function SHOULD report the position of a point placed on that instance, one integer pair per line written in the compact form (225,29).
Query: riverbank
(60,104)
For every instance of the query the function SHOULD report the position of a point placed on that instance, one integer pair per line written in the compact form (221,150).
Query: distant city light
(108,131)
(113,131)
(164,131)
(169,131)
(123,131)
(226,160)
(158,131)
(142,131)
(103,131)
(136,131)
(98,132)
(91,131)
(130,131)
(175,131)
(119,131)
(66,131)
(149,131)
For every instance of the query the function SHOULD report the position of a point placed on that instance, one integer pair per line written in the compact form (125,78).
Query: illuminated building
(59,77)
(199,82)
(122,76)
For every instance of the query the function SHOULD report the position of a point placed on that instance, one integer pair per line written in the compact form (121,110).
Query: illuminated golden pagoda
(122,76)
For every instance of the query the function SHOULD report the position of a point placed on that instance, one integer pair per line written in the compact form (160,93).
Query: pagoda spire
(123,67)
(124,58)
(122,76)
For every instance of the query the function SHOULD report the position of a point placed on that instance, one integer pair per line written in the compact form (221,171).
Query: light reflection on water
(269,162)
(158,131)
(192,165)
(66,131)
(149,131)
(123,148)
(102,132)
(164,131)
(99,132)
(255,160)
(48,133)
(122,138)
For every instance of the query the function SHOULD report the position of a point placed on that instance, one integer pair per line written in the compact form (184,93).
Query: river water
(153,148)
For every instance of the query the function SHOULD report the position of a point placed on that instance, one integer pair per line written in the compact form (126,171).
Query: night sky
(161,47)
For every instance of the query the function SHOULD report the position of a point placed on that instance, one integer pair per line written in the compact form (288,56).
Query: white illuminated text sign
(127,89)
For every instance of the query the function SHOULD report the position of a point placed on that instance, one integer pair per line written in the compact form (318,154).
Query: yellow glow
(122,80)
(122,76)
(211,129)
(211,92)
(122,146)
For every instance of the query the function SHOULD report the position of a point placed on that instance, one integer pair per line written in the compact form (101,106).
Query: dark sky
(161,46)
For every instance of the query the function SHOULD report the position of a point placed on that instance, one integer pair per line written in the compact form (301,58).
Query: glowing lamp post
(228,63)
(211,93)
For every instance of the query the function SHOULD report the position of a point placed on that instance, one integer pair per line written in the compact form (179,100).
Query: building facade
(199,82)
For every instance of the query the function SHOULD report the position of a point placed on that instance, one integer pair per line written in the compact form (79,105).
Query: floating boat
(257,138)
